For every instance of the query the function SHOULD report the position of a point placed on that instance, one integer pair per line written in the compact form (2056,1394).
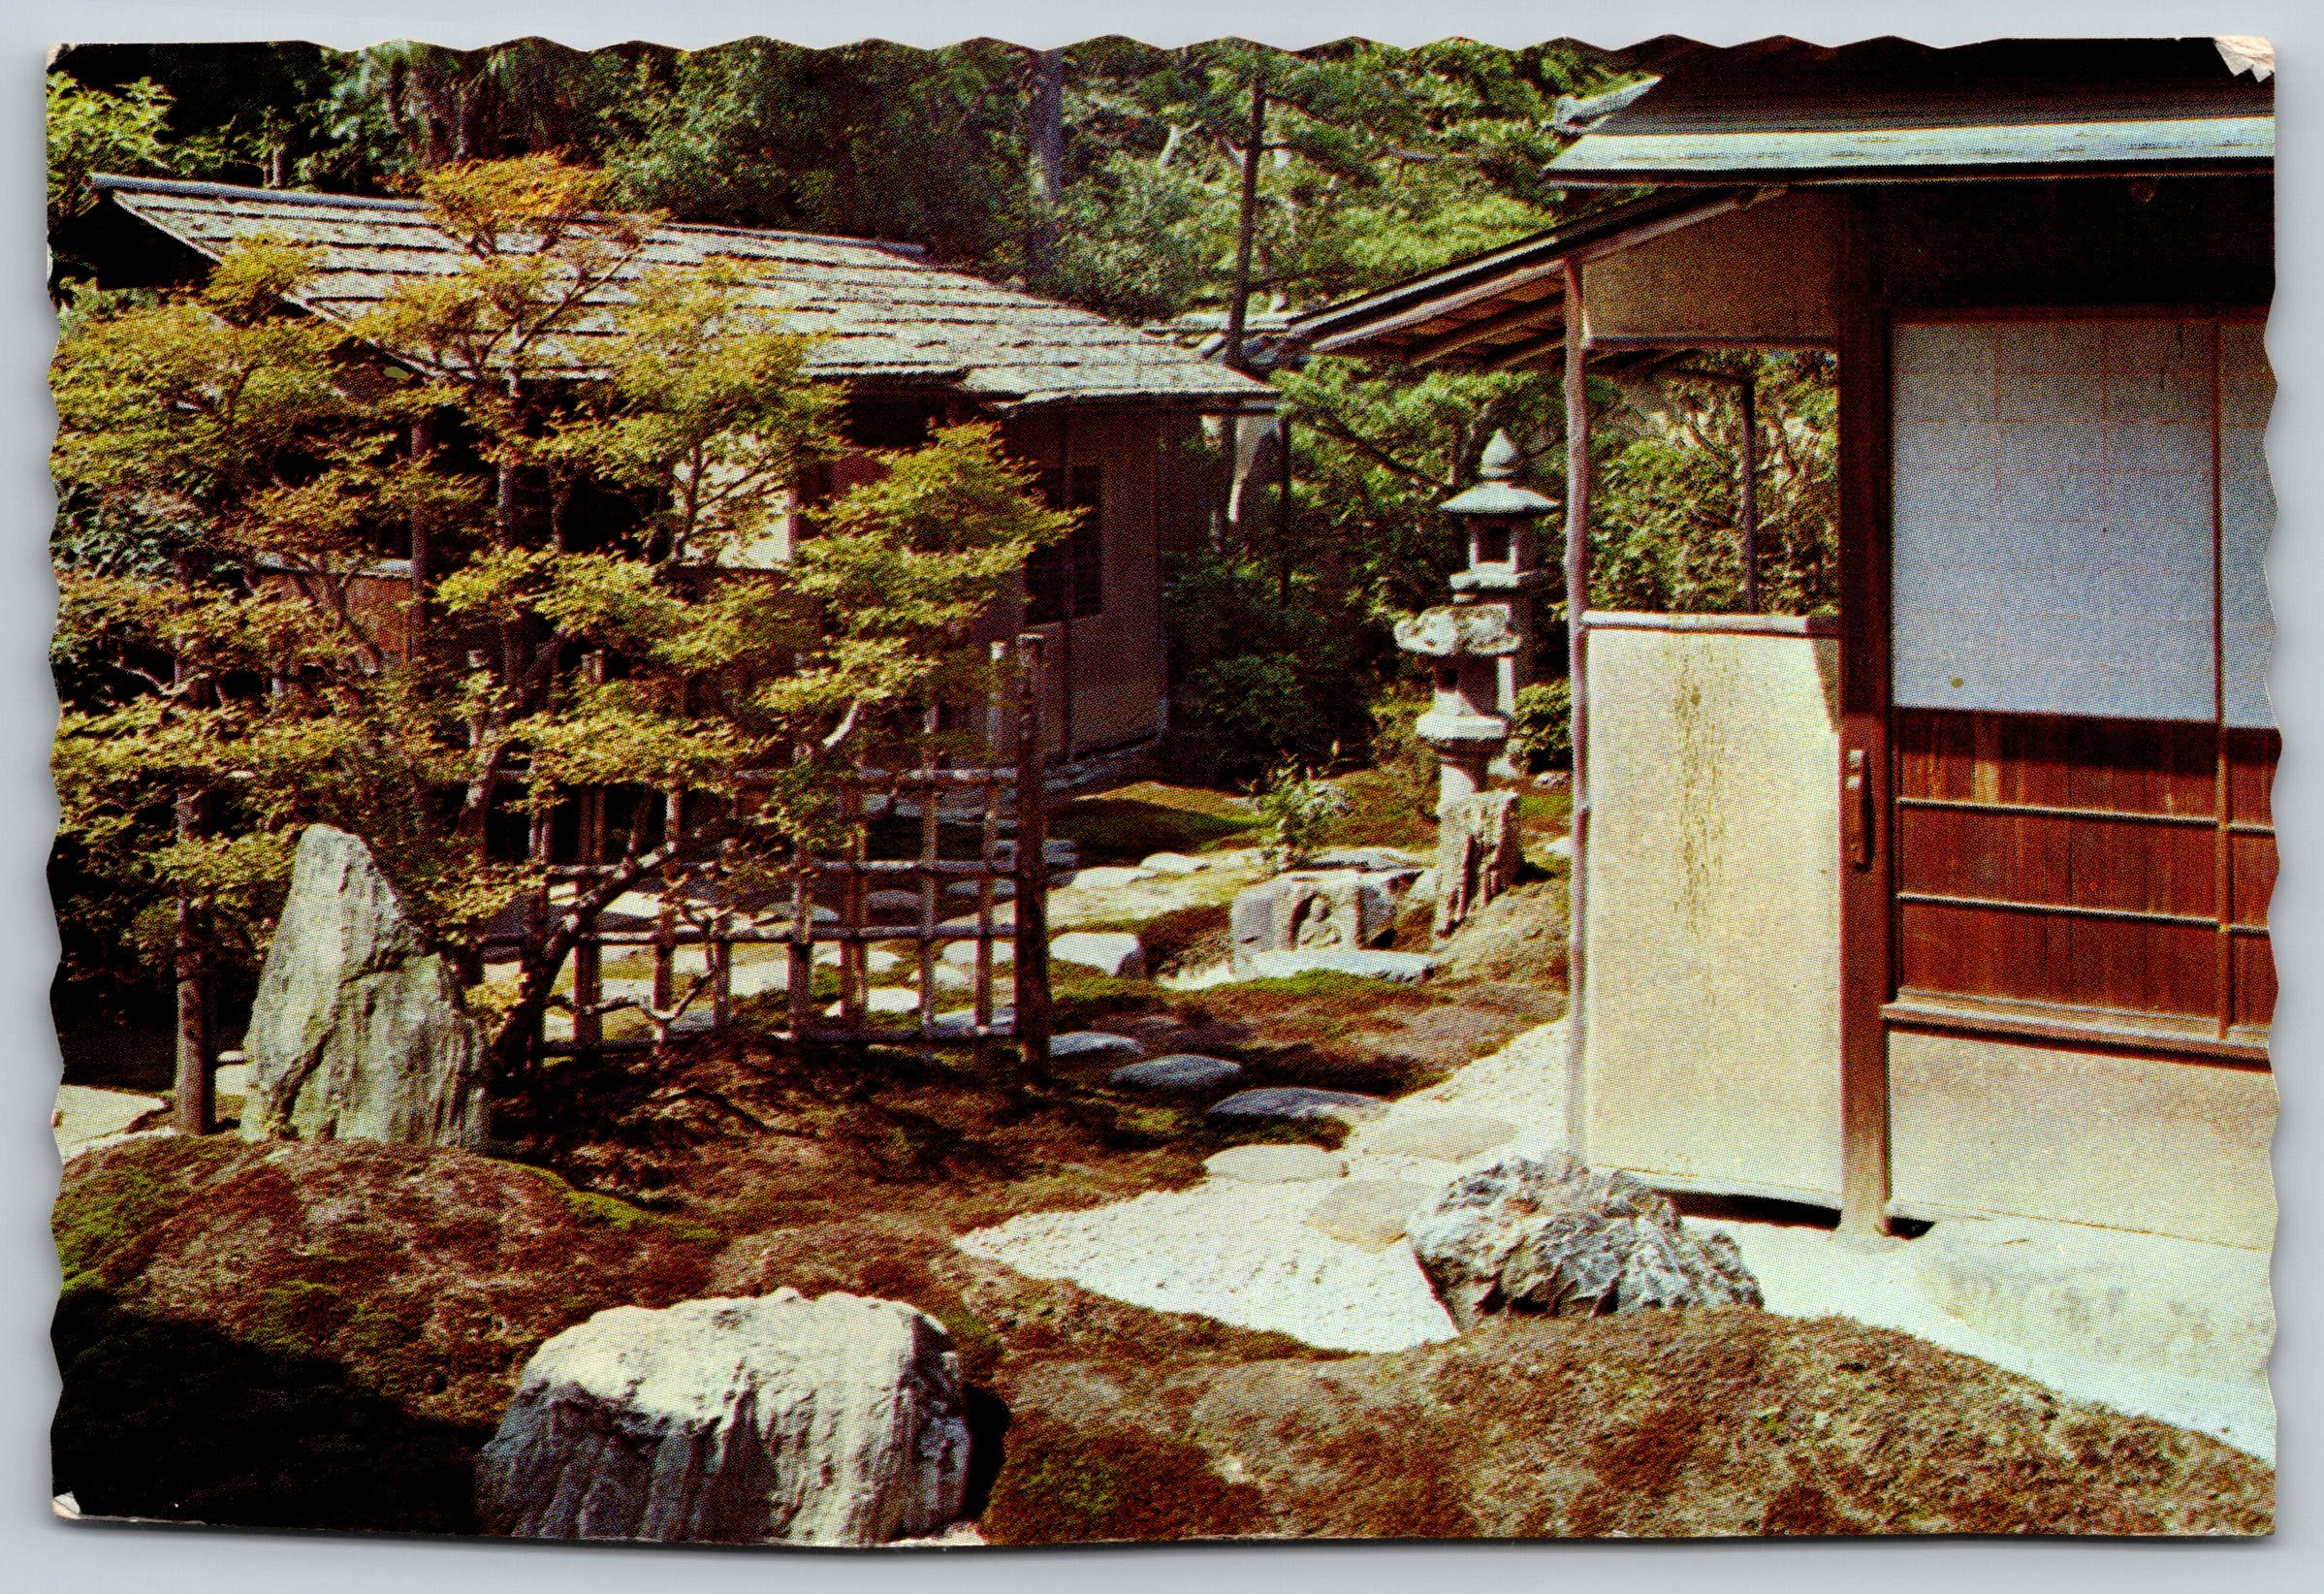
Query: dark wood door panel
(2056,859)
(2253,857)
(2251,757)
(2119,766)
(2116,965)
(2254,983)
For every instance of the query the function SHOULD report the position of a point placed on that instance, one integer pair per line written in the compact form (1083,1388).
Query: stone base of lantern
(1478,855)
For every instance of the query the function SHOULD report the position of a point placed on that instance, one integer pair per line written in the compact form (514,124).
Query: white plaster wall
(2157,1145)
(1712,992)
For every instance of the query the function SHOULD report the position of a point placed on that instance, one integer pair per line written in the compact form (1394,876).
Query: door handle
(1855,809)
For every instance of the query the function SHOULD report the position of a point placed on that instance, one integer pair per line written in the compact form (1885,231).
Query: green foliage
(1541,729)
(1296,811)
(224,490)
(1664,533)
(91,130)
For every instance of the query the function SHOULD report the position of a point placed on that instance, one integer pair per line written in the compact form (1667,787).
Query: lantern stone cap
(1483,630)
(1495,494)
(1452,730)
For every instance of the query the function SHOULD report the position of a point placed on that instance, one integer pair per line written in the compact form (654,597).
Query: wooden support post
(989,845)
(1578,602)
(1031,907)
(1866,922)
(1747,504)
(665,918)
(720,949)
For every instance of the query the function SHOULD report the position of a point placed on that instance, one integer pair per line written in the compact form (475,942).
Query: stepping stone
(1093,1044)
(1295,1103)
(1109,878)
(1562,847)
(1440,1138)
(881,998)
(1115,952)
(1370,1212)
(1274,1164)
(1184,1072)
(888,906)
(1003,890)
(1172,863)
(964,952)
(962,1020)
(1403,967)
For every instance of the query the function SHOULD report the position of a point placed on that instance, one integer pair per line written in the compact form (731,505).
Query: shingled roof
(879,313)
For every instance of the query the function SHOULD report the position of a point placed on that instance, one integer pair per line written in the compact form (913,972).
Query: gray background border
(37,1552)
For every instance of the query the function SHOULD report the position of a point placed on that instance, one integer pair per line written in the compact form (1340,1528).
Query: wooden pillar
(1032,900)
(1865,776)
(1578,601)
(1747,500)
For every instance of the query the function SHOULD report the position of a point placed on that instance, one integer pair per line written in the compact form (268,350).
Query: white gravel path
(1241,1253)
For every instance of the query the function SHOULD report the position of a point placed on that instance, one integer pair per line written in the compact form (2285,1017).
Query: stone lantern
(1480,653)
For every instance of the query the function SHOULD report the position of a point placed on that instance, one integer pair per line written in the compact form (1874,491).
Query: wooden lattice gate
(830,909)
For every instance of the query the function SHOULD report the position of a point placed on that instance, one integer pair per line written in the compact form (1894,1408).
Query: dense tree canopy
(1145,183)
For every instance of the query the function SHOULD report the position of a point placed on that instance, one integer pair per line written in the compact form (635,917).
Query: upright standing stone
(840,1421)
(358,1033)
(1478,853)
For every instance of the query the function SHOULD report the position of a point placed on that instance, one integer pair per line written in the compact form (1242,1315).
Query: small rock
(892,907)
(1274,1164)
(1296,1103)
(1550,1236)
(1157,1030)
(1403,967)
(1115,952)
(1172,863)
(1369,1212)
(1109,878)
(838,1420)
(1440,1138)
(1561,848)
(1184,1072)
(1093,1044)
(964,952)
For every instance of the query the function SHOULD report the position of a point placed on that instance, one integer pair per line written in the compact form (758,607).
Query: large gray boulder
(1549,1236)
(838,1420)
(358,1033)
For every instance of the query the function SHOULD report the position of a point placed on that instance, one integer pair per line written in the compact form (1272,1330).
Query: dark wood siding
(2087,866)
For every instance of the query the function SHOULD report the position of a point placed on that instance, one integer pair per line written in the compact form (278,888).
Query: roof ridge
(114,181)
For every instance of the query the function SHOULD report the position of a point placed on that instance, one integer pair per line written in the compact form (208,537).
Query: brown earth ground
(321,1336)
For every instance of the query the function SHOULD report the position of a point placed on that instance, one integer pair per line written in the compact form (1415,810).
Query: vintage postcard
(992,797)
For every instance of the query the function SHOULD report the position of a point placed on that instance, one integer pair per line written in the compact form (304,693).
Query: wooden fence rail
(847,900)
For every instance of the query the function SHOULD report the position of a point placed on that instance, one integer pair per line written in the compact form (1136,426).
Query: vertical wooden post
(1577,603)
(720,947)
(855,910)
(1031,907)
(1747,501)
(589,956)
(1864,774)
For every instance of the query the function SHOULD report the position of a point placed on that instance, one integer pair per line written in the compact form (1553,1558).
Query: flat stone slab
(1438,1138)
(1115,952)
(1274,1164)
(84,1115)
(1184,1072)
(1369,1212)
(1174,863)
(962,953)
(1296,1103)
(1403,968)
(1093,1044)
(1109,876)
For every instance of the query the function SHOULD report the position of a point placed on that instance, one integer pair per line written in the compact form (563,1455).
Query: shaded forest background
(1187,190)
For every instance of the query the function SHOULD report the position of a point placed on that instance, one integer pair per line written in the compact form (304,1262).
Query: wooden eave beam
(1543,311)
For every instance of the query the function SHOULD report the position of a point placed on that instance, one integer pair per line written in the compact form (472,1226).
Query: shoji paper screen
(2053,524)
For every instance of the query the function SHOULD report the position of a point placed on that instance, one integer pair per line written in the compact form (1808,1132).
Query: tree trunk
(190,958)
(1245,224)
(1045,137)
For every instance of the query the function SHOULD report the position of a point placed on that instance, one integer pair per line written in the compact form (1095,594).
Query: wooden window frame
(1066,580)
